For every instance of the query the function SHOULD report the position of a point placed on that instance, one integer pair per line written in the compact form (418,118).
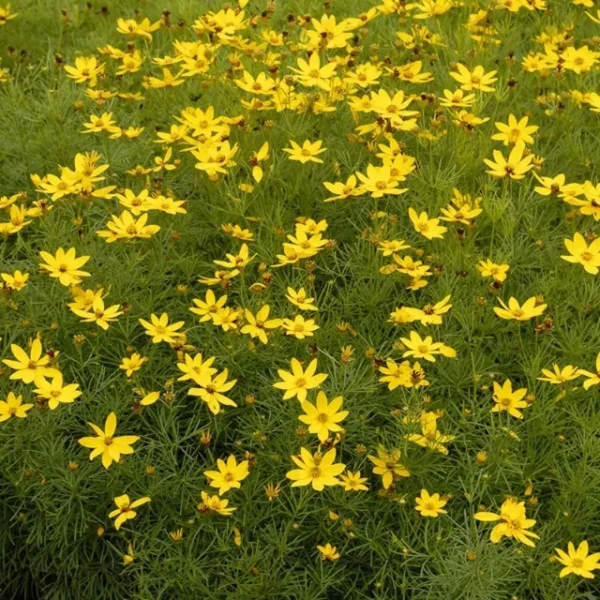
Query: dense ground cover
(299,300)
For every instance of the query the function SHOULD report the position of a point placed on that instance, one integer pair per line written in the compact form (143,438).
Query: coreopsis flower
(55,392)
(529,310)
(427,227)
(125,509)
(311,73)
(98,124)
(324,417)
(229,474)
(592,378)
(341,190)
(132,28)
(550,186)
(299,381)
(212,389)
(456,99)
(581,253)
(262,85)
(508,400)
(488,268)
(559,376)
(513,523)
(308,152)
(515,131)
(515,166)
(105,443)
(425,348)
(430,437)
(299,327)
(353,482)
(17,281)
(477,79)
(132,364)
(378,181)
(430,505)
(206,309)
(32,367)
(237,261)
(126,227)
(257,325)
(13,407)
(300,299)
(329,552)
(99,314)
(388,465)
(578,561)
(318,470)
(64,266)
(402,374)
(215,504)
(196,368)
(160,330)
(86,70)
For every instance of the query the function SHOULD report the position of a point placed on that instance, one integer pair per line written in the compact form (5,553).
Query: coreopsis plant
(387,210)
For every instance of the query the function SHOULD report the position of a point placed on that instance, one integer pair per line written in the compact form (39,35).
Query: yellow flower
(17,281)
(13,407)
(427,227)
(430,437)
(124,510)
(298,382)
(64,266)
(507,400)
(299,327)
(328,552)
(308,152)
(342,190)
(487,268)
(324,417)
(212,389)
(529,310)
(30,368)
(425,347)
(515,131)
(513,523)
(578,561)
(56,393)
(388,465)
(316,470)
(133,363)
(196,368)
(257,325)
(430,505)
(215,504)
(477,79)
(581,253)
(229,474)
(132,28)
(312,74)
(515,166)
(237,261)
(559,376)
(99,314)
(160,330)
(300,299)
(379,182)
(106,444)
(353,482)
